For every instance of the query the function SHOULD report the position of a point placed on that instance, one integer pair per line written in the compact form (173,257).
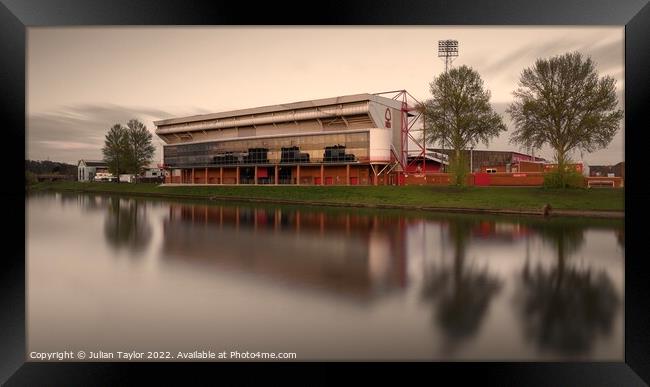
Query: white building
(88,169)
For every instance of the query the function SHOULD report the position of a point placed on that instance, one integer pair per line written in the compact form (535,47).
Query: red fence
(480,179)
(516,179)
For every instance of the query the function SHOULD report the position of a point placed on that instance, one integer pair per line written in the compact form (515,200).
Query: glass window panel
(234,151)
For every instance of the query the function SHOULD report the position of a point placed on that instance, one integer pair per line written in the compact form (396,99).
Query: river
(109,273)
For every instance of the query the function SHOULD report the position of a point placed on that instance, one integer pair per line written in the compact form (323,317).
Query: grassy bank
(496,198)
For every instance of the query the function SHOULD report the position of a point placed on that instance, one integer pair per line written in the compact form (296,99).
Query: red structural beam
(407,126)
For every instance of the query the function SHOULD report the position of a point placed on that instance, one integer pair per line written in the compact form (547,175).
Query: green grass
(505,198)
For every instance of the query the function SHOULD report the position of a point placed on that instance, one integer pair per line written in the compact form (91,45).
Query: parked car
(104,176)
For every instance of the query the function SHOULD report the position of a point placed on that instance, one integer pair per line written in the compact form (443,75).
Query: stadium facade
(347,140)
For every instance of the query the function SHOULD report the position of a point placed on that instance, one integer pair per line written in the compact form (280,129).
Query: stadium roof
(284,107)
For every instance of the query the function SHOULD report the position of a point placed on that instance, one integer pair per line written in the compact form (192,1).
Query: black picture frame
(17,15)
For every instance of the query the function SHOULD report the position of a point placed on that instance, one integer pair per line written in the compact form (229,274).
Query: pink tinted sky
(82,80)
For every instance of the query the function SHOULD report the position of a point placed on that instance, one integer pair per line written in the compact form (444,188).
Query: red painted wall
(481,179)
(431,167)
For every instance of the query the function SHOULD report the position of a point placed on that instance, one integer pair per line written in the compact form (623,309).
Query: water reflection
(461,291)
(358,257)
(380,284)
(126,224)
(564,308)
(620,237)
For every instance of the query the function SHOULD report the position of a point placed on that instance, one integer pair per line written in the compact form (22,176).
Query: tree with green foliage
(140,146)
(128,149)
(459,115)
(115,149)
(562,102)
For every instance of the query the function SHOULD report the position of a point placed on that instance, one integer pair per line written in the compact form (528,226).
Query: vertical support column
(255,179)
(322,174)
(221,175)
(347,174)
(192,175)
(298,174)
(276,175)
(237,177)
(375,178)
(206,175)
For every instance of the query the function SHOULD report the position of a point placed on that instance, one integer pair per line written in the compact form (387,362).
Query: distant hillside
(50,167)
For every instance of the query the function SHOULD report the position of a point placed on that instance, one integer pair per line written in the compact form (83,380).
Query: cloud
(68,145)
(504,71)
(531,51)
(608,56)
(74,132)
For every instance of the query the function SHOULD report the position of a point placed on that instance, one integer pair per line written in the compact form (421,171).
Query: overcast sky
(81,81)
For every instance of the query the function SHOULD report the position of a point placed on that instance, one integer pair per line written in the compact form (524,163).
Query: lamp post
(471,159)
(448,51)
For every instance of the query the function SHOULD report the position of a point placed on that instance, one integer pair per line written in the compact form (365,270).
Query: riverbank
(608,203)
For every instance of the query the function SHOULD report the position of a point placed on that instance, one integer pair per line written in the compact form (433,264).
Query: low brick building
(489,161)
(616,170)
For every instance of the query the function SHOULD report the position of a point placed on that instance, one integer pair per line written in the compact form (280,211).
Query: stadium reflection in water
(109,273)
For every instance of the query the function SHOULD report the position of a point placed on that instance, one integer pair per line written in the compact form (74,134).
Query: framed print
(377,188)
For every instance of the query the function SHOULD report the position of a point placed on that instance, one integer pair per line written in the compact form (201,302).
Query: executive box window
(338,147)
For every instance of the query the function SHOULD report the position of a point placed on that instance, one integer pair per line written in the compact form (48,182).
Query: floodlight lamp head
(447,48)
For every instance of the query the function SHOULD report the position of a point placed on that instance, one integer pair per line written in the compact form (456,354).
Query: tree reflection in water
(461,292)
(564,308)
(126,224)
(620,237)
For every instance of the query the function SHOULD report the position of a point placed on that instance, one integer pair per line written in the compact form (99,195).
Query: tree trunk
(561,264)
(561,166)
